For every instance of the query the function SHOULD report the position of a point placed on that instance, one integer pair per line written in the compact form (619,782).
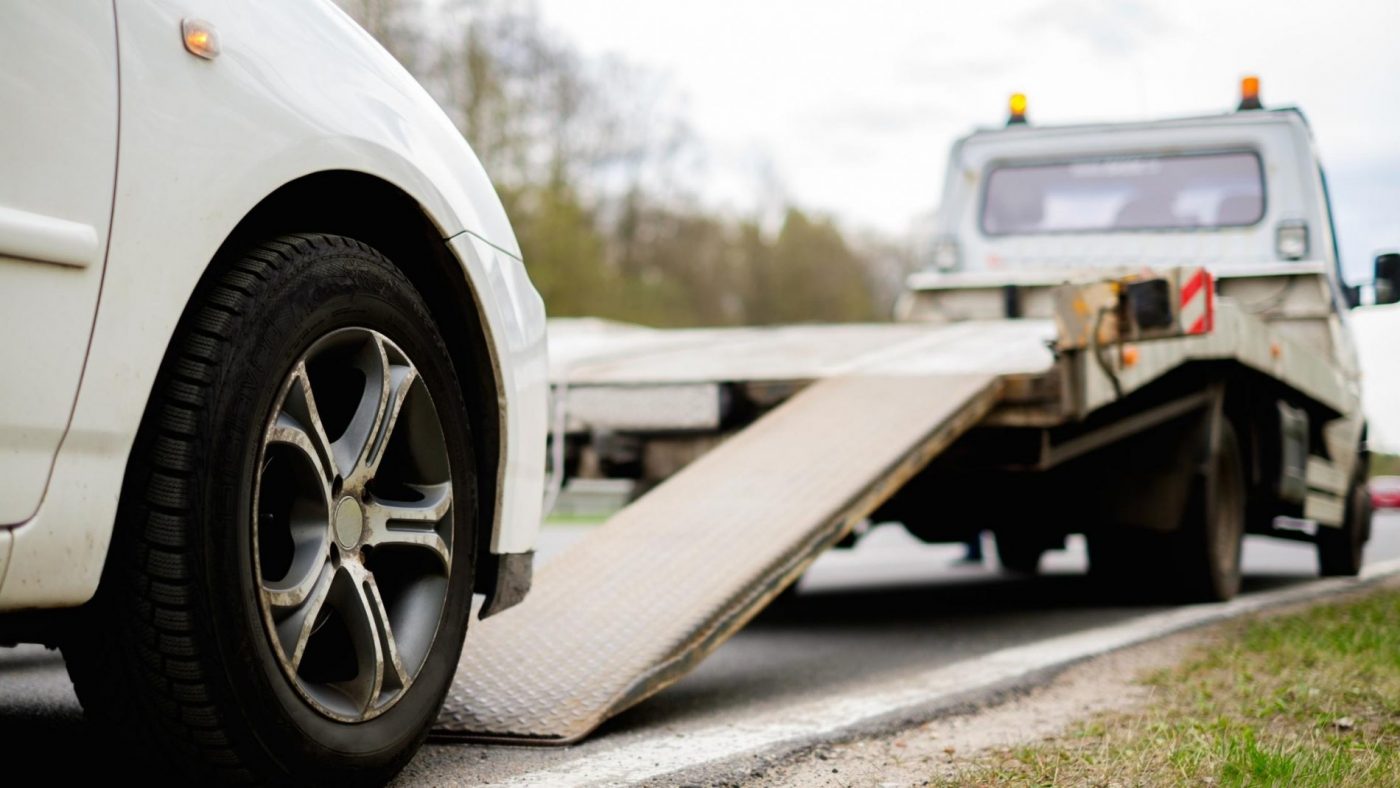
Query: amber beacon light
(1249,93)
(1018,110)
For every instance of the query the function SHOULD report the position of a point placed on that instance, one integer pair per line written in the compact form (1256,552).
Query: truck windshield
(1166,192)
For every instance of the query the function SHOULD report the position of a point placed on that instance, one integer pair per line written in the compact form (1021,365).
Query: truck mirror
(1388,278)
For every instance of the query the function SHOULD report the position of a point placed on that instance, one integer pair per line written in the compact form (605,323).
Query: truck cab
(1242,194)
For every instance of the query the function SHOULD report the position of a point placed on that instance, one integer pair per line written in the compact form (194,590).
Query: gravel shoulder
(985,744)
(942,747)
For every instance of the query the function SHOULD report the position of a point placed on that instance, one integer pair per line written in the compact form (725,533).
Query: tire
(1120,561)
(1340,551)
(1018,554)
(1205,550)
(195,654)
(1107,555)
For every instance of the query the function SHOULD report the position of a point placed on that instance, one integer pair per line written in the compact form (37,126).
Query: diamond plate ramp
(638,603)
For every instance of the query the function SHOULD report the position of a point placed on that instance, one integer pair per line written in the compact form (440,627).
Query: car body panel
(519,336)
(297,89)
(6,541)
(58,156)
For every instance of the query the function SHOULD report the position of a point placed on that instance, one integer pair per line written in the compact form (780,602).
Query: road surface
(889,607)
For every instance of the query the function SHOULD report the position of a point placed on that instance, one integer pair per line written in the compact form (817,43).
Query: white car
(272,390)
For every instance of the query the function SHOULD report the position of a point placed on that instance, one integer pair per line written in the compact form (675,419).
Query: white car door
(58,153)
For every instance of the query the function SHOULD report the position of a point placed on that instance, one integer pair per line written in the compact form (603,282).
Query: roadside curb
(733,752)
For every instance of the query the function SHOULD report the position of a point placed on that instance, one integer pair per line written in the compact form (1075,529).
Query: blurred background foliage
(589,156)
(1383,464)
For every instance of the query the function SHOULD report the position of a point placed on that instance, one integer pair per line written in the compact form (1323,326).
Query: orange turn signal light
(200,38)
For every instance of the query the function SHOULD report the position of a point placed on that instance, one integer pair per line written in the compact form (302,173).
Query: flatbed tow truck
(1137,332)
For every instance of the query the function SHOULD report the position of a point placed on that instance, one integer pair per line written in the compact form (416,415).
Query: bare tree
(588,156)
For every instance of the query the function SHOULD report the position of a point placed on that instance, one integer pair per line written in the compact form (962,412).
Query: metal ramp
(639,603)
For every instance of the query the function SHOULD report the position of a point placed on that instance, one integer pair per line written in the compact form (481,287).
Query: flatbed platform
(636,605)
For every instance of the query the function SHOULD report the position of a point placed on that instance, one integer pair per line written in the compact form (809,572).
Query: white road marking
(808,721)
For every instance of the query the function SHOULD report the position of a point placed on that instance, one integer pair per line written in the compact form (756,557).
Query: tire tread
(146,588)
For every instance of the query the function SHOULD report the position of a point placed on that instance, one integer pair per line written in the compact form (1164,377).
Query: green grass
(1385,464)
(1311,698)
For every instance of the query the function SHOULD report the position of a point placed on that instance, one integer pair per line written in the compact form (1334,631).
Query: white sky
(849,107)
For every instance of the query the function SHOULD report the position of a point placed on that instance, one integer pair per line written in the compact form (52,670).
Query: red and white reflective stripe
(1198,302)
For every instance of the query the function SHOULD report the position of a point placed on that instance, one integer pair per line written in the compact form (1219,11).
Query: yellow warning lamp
(1249,93)
(1018,110)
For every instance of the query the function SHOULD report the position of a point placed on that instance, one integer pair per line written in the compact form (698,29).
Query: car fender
(297,89)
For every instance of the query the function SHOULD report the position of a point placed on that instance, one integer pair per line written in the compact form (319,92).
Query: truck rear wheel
(1206,548)
(1339,550)
(1019,553)
(1116,557)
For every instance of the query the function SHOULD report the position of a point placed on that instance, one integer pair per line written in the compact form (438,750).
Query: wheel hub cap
(352,525)
(349,523)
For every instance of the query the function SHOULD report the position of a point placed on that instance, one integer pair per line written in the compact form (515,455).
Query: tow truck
(1137,332)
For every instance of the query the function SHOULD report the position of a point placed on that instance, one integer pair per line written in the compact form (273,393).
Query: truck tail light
(1291,240)
(944,254)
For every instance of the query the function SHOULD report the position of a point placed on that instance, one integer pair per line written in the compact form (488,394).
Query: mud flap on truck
(639,603)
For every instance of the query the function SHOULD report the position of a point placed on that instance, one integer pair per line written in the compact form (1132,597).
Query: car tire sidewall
(306,303)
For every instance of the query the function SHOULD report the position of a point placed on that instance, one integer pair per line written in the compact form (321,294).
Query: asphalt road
(888,607)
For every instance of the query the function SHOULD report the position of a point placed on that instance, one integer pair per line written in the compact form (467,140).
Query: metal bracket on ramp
(639,603)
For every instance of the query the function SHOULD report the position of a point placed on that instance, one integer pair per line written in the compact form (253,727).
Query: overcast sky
(849,106)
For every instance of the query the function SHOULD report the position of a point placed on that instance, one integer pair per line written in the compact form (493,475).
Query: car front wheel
(288,588)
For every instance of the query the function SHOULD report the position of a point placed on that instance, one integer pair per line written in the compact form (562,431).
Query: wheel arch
(369,209)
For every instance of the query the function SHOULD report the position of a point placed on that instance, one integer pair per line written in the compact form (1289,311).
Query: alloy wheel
(352,529)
